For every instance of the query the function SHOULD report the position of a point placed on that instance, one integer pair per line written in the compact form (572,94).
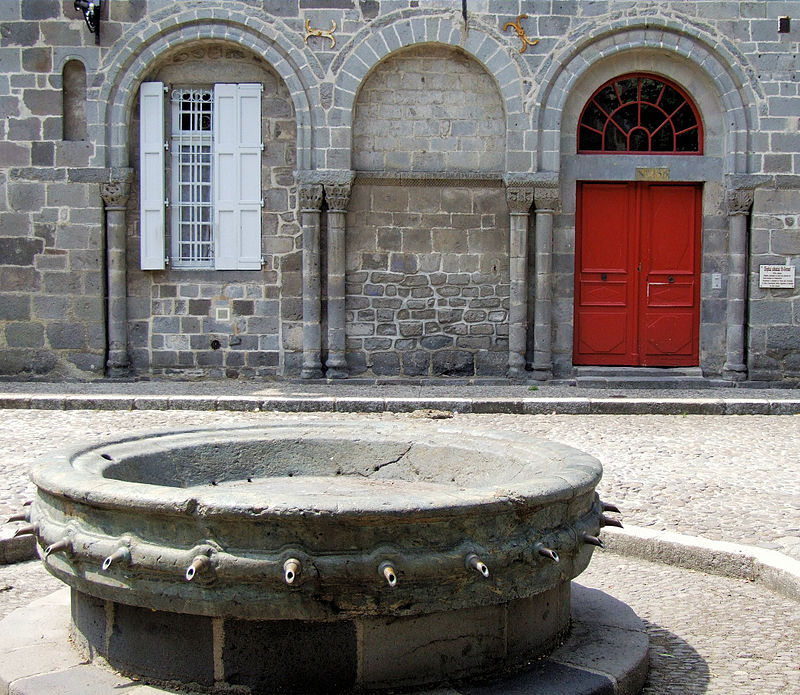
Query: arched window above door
(640,114)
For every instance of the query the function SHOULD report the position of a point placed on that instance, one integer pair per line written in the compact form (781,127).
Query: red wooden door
(637,279)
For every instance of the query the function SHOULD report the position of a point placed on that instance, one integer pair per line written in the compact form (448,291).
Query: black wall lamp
(91,13)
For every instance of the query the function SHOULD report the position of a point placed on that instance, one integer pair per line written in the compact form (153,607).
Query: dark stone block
(37,59)
(436,342)
(374,261)
(87,361)
(89,619)
(168,646)
(290,656)
(242,307)
(263,359)
(43,154)
(19,362)
(453,363)
(356,363)
(19,279)
(281,8)
(14,307)
(403,263)
(369,9)
(66,335)
(18,251)
(491,363)
(386,363)
(19,33)
(25,335)
(199,307)
(41,9)
(416,363)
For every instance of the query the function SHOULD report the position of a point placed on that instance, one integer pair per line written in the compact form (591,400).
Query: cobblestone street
(722,477)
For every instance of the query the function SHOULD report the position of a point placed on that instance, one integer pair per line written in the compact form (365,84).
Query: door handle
(670,279)
(603,277)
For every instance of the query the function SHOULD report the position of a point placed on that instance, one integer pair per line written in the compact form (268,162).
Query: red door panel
(637,274)
(604,330)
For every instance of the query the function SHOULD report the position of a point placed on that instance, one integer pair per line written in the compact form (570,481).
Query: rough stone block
(146,639)
(385,363)
(297,655)
(66,335)
(453,363)
(25,335)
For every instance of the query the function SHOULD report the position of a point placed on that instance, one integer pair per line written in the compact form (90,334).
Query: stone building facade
(399,188)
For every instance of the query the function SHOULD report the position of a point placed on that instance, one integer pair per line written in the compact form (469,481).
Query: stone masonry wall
(174,327)
(429,109)
(51,236)
(427,280)
(774,343)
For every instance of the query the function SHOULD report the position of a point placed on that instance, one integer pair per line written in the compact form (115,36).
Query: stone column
(546,198)
(739,201)
(310,196)
(337,196)
(520,199)
(115,198)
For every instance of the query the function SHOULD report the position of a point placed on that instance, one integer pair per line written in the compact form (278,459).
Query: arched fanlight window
(640,114)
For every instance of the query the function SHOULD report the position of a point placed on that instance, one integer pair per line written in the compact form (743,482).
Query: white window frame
(236,153)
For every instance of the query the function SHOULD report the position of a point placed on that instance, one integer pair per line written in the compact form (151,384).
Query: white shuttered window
(215,183)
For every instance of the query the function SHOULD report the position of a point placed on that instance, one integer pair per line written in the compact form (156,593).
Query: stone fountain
(318,557)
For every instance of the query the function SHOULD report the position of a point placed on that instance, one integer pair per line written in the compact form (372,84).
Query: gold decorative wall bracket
(321,32)
(521,33)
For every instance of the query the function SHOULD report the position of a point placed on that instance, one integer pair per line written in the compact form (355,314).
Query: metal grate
(640,114)
(192,140)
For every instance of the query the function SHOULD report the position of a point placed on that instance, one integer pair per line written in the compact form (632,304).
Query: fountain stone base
(303,557)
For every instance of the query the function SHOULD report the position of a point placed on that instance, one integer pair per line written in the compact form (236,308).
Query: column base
(736,372)
(542,373)
(117,367)
(311,373)
(336,367)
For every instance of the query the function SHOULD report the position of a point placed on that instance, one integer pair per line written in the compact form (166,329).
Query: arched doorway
(638,255)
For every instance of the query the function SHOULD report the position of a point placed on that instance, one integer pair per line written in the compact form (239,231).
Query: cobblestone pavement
(708,635)
(733,477)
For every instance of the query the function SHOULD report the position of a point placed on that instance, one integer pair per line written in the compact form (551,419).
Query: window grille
(192,198)
(640,114)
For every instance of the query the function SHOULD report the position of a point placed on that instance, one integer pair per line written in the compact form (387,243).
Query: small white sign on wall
(776,276)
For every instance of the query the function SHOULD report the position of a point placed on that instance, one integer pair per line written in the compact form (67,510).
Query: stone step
(646,378)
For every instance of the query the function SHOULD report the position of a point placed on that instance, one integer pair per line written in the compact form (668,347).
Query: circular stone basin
(318,556)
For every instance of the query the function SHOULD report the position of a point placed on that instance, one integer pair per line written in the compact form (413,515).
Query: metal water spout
(473,563)
(387,571)
(122,554)
(199,564)
(291,570)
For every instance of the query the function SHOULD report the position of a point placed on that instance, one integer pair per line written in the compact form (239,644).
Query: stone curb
(366,404)
(606,653)
(16,549)
(769,568)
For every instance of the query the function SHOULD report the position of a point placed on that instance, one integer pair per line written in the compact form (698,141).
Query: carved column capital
(310,196)
(519,198)
(337,195)
(739,200)
(115,194)
(546,198)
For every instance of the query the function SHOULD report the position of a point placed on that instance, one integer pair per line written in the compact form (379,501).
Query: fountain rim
(57,474)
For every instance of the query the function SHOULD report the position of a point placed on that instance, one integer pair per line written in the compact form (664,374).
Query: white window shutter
(151,173)
(237,176)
